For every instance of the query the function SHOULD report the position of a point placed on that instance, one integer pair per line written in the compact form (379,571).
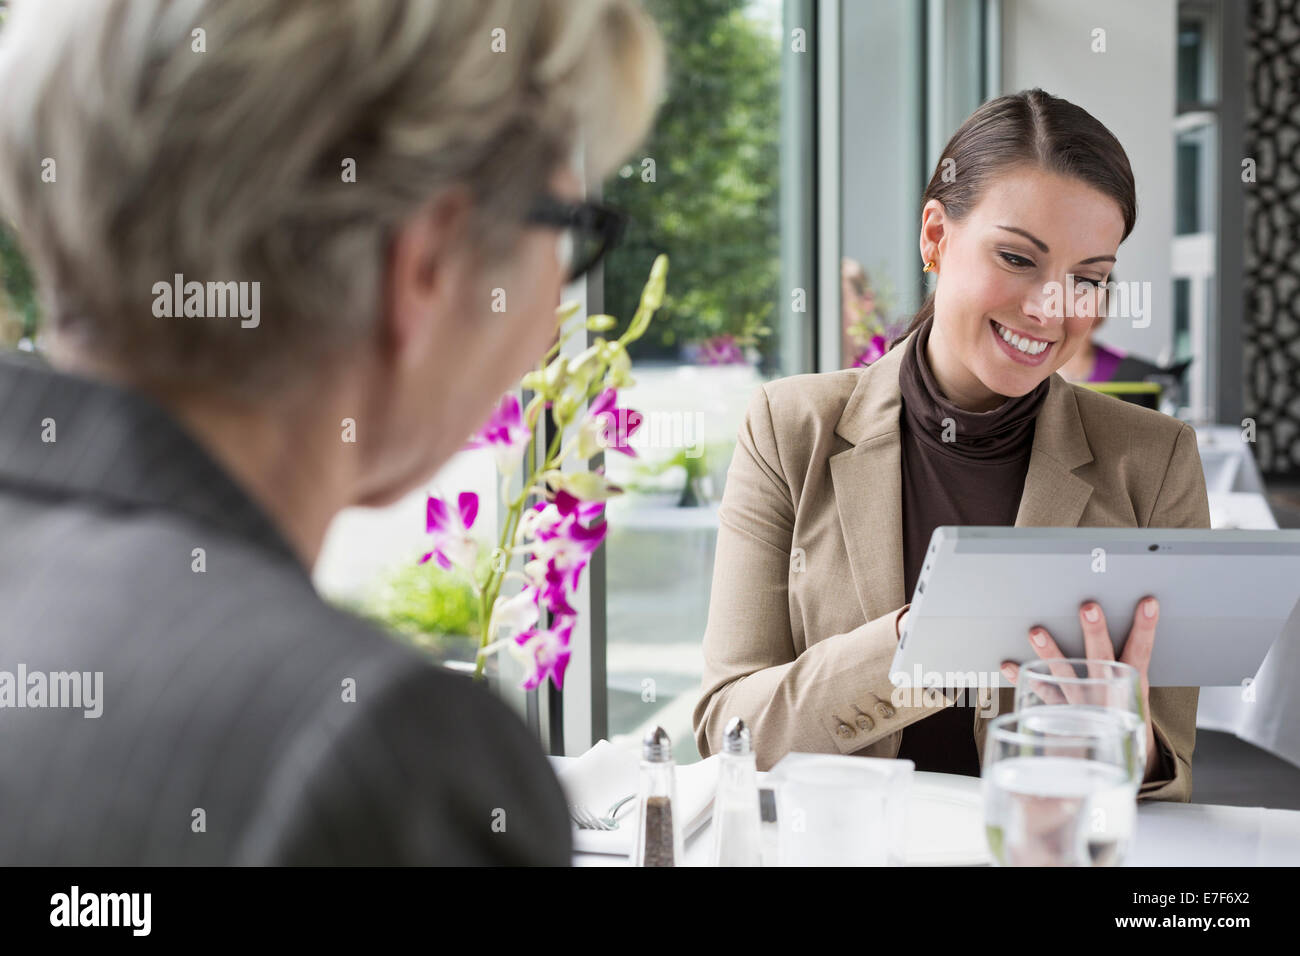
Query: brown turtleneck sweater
(974,478)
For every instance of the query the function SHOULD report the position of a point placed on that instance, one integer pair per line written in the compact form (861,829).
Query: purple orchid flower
(545,653)
(518,613)
(563,539)
(875,349)
(452,544)
(505,433)
(607,426)
(721,350)
(562,530)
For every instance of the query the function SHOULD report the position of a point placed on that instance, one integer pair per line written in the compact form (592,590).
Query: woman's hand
(1097,646)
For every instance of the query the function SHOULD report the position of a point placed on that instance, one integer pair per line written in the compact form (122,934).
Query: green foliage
(714,203)
(695,465)
(647,477)
(17,290)
(433,609)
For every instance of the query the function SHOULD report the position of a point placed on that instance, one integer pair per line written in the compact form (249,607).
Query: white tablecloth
(1266,714)
(1228,460)
(1168,834)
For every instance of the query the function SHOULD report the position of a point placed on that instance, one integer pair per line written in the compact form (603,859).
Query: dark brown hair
(1027,129)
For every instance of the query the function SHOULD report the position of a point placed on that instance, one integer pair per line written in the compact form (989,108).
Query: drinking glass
(839,810)
(1059,787)
(1089,685)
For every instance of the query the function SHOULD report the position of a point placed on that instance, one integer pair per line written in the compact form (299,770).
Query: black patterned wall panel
(1272,254)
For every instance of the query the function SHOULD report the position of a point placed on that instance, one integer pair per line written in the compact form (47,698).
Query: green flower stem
(559,343)
(568,449)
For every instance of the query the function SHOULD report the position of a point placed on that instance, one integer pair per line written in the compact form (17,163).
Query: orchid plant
(554,521)
(865,309)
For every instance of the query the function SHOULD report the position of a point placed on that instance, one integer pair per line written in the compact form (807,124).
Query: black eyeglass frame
(596,219)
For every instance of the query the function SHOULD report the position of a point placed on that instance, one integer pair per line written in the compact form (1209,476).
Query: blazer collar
(869,484)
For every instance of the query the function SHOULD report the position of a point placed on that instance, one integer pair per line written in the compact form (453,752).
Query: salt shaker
(736,840)
(658,832)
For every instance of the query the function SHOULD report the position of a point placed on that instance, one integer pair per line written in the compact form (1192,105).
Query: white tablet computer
(1225,597)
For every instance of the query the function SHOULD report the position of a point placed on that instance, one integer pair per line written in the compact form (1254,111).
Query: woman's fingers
(1046,692)
(1097,647)
(1142,638)
(1046,648)
(1097,644)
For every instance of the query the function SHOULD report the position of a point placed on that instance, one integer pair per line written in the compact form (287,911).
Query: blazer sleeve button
(864,722)
(884,710)
(845,730)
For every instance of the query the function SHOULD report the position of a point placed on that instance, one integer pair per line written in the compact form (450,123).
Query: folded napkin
(607,773)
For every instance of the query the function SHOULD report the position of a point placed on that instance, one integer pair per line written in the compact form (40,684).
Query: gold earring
(929,266)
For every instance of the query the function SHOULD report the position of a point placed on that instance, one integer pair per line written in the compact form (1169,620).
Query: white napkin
(606,774)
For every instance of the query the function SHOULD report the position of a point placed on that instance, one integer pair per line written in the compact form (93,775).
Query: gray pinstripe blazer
(224,735)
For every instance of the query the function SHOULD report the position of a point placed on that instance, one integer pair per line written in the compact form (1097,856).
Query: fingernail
(1007,672)
(1038,637)
(1150,607)
(1090,612)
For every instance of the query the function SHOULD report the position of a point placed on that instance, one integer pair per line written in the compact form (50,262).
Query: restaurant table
(1227,459)
(1267,714)
(1168,834)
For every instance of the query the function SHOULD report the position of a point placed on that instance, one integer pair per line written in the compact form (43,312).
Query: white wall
(1129,88)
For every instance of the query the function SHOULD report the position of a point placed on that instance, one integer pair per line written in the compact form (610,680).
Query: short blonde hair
(209,138)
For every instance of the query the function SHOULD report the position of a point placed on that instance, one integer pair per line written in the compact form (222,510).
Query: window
(723,185)
(1196,199)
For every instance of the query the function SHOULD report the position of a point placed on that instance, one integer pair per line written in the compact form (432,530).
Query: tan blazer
(808,573)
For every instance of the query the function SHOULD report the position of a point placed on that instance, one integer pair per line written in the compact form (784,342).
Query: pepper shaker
(659,835)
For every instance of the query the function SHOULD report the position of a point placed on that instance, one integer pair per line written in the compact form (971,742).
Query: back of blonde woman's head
(283,142)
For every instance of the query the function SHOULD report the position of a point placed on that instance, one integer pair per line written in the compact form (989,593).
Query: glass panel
(1194,185)
(706,190)
(1191,44)
(882,129)
(1182,320)
(1196,70)
(1187,198)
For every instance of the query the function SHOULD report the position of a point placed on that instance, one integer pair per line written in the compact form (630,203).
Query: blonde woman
(839,479)
(370,176)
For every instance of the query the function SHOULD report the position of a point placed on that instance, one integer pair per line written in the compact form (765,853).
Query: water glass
(1059,787)
(839,810)
(1088,684)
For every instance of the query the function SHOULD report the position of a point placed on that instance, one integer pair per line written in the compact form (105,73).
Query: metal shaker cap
(656,747)
(735,739)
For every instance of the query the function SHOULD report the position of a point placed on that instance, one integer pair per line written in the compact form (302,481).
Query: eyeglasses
(592,228)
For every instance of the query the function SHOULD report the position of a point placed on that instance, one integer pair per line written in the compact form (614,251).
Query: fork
(586,820)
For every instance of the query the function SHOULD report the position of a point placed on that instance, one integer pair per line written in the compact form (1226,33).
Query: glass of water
(1089,685)
(1059,788)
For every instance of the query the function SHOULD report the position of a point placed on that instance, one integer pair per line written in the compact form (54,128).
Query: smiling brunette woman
(840,478)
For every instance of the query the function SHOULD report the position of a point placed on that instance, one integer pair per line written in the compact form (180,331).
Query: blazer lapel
(1054,496)
(869,485)
(868,482)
